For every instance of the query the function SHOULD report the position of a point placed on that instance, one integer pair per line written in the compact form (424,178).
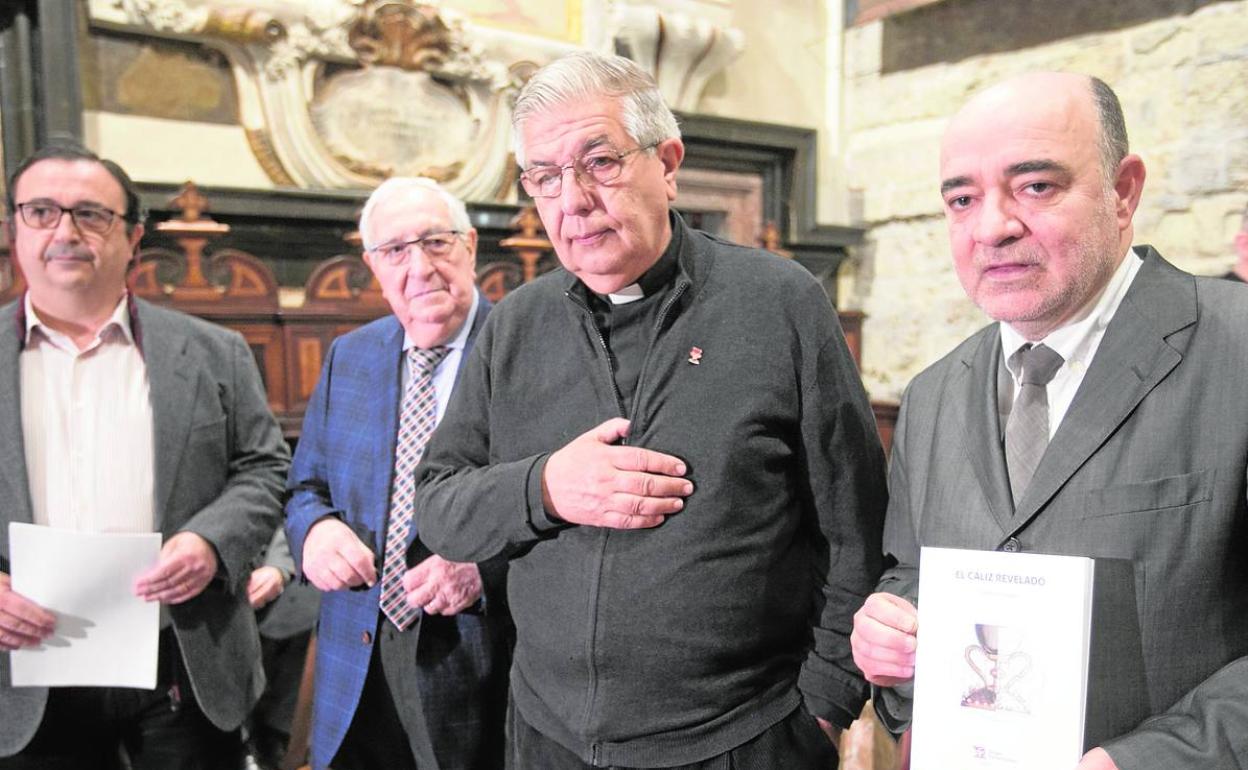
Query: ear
(1128,185)
(670,152)
(470,241)
(135,236)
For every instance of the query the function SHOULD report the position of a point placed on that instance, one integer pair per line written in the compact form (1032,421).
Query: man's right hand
(885,638)
(592,481)
(334,558)
(22,622)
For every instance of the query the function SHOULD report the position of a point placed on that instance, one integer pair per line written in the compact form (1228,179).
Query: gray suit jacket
(220,466)
(1150,464)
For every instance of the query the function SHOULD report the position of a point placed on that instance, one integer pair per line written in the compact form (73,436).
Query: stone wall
(1180,68)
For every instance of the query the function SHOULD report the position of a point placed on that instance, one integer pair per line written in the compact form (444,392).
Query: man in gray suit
(1147,453)
(117,416)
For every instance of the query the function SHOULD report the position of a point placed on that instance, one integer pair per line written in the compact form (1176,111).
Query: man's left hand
(1096,759)
(265,584)
(442,587)
(186,565)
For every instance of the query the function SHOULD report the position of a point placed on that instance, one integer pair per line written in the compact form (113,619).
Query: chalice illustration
(997,673)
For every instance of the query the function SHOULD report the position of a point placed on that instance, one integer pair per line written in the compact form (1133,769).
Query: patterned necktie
(417,419)
(1027,430)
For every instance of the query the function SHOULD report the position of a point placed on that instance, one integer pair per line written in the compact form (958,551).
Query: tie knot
(1039,363)
(424,361)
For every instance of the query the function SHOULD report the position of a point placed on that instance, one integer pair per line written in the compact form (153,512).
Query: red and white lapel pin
(695,355)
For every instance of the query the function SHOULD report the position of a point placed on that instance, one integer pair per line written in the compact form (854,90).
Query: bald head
(1082,95)
(1039,194)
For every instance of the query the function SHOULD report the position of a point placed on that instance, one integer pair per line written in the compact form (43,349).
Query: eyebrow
(589,144)
(952,182)
(78,204)
(1032,166)
(1012,170)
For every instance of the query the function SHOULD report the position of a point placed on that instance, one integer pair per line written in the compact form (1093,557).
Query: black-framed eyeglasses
(46,215)
(435,246)
(597,167)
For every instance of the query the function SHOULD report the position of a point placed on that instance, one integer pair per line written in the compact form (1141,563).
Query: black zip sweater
(666,646)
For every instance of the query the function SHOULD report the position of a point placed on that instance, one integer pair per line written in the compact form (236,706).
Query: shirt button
(366,638)
(1012,546)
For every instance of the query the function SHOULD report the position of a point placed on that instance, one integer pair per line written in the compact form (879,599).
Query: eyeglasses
(46,215)
(546,181)
(434,245)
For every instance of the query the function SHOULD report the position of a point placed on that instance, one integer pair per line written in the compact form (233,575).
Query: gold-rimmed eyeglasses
(435,246)
(597,167)
(46,215)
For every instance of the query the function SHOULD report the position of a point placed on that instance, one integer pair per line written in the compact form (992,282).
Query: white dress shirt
(87,427)
(1076,342)
(444,376)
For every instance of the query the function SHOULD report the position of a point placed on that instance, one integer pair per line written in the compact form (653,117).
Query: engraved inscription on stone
(386,121)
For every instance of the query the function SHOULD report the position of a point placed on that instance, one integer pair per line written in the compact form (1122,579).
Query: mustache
(73,253)
(998,257)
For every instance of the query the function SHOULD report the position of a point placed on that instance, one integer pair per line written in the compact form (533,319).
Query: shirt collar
(655,279)
(461,338)
(1073,341)
(124,318)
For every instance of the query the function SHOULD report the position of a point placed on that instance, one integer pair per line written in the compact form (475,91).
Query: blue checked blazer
(453,705)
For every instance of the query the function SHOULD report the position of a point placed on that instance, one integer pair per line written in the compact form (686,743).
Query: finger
(21,615)
(617,520)
(438,605)
(361,561)
(653,485)
(610,431)
(634,505)
(632,458)
(418,599)
(882,635)
(345,573)
(892,611)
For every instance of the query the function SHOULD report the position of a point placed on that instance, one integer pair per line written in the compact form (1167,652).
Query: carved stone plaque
(393,121)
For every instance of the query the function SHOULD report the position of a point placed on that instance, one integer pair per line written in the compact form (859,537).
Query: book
(1024,661)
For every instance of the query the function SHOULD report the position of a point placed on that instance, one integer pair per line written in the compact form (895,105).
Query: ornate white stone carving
(422,96)
(682,50)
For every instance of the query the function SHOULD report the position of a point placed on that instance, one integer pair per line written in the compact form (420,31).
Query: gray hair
(585,75)
(398,185)
(1113,135)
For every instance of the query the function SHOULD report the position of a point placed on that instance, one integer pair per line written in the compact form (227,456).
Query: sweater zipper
(606,356)
(591,651)
(677,291)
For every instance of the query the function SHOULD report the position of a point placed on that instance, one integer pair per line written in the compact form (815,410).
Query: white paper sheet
(105,635)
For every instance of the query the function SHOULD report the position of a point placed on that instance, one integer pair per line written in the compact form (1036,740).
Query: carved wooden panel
(343,282)
(265,341)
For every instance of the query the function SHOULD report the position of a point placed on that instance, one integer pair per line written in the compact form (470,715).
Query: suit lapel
(982,423)
(385,368)
(171,378)
(1134,356)
(12,450)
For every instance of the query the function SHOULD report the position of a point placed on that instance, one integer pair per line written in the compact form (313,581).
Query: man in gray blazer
(117,416)
(1147,453)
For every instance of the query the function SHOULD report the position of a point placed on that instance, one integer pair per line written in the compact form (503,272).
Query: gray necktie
(1027,431)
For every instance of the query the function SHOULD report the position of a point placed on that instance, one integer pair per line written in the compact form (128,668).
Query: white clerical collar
(630,293)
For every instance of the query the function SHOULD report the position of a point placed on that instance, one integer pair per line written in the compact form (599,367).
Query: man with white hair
(671,441)
(412,649)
